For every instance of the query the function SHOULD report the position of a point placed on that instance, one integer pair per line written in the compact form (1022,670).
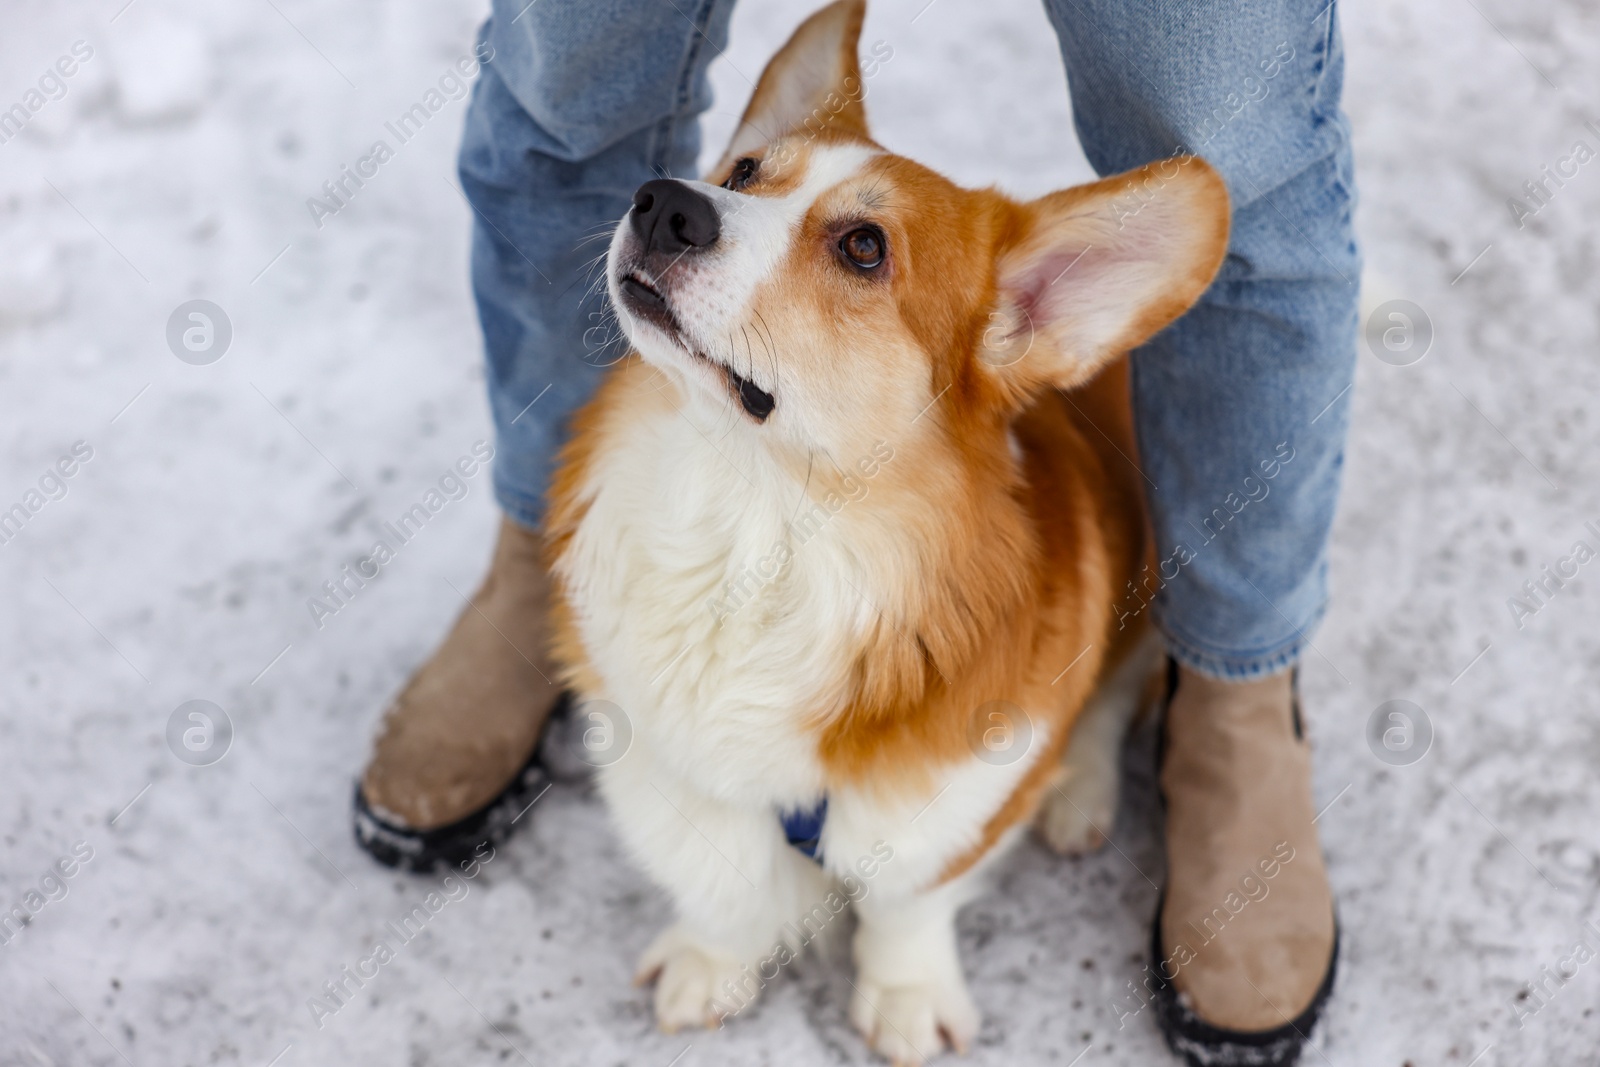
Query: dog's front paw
(1077,815)
(695,985)
(910,1023)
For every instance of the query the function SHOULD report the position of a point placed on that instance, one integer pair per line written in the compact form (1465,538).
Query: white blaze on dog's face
(827,294)
(762,293)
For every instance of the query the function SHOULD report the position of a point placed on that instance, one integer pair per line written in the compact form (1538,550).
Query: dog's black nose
(669,216)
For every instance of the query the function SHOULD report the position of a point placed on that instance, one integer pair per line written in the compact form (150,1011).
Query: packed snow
(191,912)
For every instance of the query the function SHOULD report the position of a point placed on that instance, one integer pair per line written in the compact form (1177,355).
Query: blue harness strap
(803,828)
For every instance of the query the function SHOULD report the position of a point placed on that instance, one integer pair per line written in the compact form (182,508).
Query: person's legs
(1241,409)
(579,102)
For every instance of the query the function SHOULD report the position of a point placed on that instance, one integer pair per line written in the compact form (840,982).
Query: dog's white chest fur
(723,637)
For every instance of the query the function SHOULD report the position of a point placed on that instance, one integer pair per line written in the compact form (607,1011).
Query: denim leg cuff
(523,510)
(1238,666)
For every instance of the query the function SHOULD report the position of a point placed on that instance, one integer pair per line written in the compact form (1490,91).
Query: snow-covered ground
(215,900)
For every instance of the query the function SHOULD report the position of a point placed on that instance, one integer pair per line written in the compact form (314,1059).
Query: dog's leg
(910,998)
(736,884)
(891,851)
(1078,813)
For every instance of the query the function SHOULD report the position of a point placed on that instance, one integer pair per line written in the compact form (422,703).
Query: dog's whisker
(772,354)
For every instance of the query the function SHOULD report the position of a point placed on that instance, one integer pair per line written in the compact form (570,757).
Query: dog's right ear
(813,83)
(1093,271)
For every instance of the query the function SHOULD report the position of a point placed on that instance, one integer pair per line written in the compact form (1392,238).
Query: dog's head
(831,294)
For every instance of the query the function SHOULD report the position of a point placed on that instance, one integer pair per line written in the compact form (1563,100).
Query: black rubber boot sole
(1203,1045)
(423,851)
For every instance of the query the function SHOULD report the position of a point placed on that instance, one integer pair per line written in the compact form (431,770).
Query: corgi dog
(840,542)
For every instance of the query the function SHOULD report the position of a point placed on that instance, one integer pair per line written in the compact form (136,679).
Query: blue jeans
(1241,406)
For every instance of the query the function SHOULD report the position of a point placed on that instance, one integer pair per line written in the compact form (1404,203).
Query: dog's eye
(863,247)
(744,172)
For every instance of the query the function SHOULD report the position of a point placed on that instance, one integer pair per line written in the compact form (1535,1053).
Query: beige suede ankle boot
(454,761)
(1246,941)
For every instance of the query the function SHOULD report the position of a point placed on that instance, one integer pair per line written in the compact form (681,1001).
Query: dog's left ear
(813,83)
(1096,270)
